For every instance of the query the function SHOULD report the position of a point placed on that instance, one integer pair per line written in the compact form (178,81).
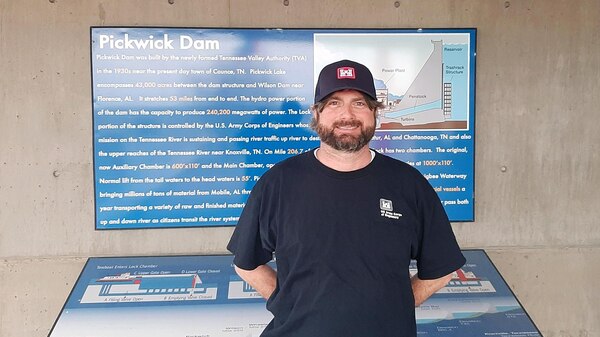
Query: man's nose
(346,111)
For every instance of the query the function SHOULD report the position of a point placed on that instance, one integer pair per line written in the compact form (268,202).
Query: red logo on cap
(345,72)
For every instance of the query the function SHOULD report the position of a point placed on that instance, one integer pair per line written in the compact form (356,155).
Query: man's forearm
(263,279)
(422,289)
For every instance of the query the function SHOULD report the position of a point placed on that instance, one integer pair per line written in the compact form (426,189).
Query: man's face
(346,122)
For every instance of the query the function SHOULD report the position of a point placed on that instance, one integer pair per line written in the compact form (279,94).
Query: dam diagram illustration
(423,80)
(124,288)
(431,101)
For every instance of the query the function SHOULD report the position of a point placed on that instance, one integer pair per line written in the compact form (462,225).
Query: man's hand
(422,289)
(263,279)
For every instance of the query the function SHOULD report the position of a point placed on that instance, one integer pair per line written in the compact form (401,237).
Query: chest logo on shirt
(387,209)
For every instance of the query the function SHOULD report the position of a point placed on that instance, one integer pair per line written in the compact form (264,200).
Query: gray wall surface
(537,145)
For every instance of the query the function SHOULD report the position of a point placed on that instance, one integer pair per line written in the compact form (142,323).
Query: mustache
(350,123)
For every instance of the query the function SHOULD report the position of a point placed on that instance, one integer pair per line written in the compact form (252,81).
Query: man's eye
(360,103)
(333,103)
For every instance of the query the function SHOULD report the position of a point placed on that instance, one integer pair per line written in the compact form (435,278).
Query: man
(344,223)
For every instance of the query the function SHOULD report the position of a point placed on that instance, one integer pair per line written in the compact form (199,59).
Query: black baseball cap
(344,74)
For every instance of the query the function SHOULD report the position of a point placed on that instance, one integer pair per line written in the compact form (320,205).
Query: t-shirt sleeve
(247,242)
(438,253)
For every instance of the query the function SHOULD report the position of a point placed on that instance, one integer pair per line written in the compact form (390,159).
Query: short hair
(373,104)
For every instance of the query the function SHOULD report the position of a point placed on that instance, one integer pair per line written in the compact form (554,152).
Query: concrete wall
(538,71)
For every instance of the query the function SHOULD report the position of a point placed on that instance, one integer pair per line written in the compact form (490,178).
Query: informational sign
(187,120)
(183,296)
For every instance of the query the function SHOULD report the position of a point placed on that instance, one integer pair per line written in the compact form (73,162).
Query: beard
(344,142)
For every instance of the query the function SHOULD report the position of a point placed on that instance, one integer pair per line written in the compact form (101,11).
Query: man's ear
(313,110)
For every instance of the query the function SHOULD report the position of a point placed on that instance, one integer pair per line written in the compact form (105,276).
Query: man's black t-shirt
(343,243)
